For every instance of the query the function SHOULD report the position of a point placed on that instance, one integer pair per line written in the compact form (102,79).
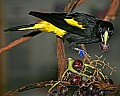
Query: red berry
(77,64)
(63,90)
(78,93)
(54,93)
(75,79)
(108,81)
(104,47)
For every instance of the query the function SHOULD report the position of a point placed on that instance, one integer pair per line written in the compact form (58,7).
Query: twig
(113,10)
(86,56)
(72,4)
(34,86)
(100,85)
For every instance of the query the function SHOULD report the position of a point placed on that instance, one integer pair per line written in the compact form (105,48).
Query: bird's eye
(100,30)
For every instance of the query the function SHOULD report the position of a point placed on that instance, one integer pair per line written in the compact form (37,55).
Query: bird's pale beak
(105,37)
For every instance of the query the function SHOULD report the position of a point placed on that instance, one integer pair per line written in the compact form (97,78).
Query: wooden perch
(72,4)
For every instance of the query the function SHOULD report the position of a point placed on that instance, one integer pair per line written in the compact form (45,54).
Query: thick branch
(61,58)
(72,4)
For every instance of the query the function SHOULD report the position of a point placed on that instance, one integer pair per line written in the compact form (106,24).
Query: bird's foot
(83,53)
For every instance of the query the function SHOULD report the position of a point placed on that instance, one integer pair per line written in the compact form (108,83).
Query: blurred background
(35,60)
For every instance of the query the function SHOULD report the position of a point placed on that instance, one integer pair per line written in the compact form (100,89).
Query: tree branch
(113,10)
(71,5)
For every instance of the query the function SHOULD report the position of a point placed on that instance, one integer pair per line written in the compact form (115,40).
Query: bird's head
(105,31)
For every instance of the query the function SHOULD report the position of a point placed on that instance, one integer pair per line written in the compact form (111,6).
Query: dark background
(35,60)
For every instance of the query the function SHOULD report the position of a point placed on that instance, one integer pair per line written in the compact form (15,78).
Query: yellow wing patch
(36,26)
(74,23)
(46,27)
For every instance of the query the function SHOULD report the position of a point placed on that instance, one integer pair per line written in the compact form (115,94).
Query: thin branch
(34,86)
(113,10)
(14,43)
(72,4)
(19,41)
(100,85)
(86,56)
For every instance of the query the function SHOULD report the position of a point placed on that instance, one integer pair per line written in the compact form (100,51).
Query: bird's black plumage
(93,32)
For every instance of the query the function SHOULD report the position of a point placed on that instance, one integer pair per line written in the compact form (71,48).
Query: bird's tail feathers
(21,28)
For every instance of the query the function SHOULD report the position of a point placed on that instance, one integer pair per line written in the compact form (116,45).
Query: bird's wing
(77,39)
(56,19)
(60,20)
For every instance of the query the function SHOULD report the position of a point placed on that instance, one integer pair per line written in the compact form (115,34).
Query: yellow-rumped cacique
(74,28)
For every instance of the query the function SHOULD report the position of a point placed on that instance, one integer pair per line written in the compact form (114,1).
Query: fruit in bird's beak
(104,47)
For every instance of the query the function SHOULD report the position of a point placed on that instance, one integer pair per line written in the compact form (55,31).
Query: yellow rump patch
(74,23)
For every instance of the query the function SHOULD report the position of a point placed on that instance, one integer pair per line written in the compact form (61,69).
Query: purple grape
(96,94)
(92,89)
(63,90)
(106,93)
(104,47)
(108,81)
(102,93)
(78,93)
(75,79)
(54,93)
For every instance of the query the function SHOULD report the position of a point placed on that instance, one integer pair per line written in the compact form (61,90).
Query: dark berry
(54,93)
(75,79)
(102,93)
(63,90)
(104,47)
(106,93)
(96,94)
(78,93)
(77,64)
(84,79)
(94,79)
(108,81)
(92,89)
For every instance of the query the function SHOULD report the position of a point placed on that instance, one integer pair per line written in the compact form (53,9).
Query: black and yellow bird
(73,28)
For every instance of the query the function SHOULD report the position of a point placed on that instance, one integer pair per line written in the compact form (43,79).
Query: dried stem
(113,10)
(72,4)
(34,86)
